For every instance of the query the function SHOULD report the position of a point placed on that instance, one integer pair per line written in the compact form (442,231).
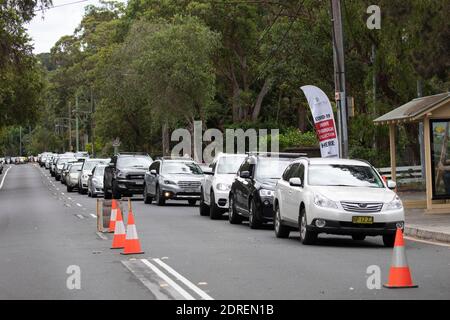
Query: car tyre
(281,231)
(192,202)
(254,220)
(147,198)
(389,240)
(107,195)
(159,199)
(69,188)
(203,207)
(115,191)
(214,212)
(233,216)
(306,236)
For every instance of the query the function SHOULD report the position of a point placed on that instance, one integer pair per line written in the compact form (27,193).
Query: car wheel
(107,195)
(115,191)
(389,240)
(159,199)
(69,189)
(254,220)
(281,231)
(147,198)
(306,236)
(192,202)
(233,216)
(358,237)
(214,212)
(83,191)
(203,207)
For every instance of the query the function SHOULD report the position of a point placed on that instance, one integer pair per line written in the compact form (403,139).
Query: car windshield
(271,168)
(229,165)
(343,175)
(181,168)
(99,171)
(89,165)
(134,162)
(75,168)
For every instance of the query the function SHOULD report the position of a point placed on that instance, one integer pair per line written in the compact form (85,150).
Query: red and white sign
(323,121)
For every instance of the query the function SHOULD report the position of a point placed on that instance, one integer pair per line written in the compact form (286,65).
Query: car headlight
(121,175)
(266,193)
(223,186)
(395,204)
(322,201)
(169,182)
(85,176)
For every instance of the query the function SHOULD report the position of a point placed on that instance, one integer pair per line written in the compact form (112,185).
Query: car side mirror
(153,172)
(391,184)
(208,171)
(245,174)
(295,182)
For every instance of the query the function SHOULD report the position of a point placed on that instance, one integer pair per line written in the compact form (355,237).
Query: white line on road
(101,236)
(4,176)
(169,281)
(427,242)
(80,216)
(189,284)
(79,204)
(93,216)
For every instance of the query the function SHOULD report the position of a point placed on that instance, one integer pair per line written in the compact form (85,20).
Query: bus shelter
(434,113)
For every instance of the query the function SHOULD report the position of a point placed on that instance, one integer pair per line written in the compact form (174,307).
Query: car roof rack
(280,154)
(175,158)
(132,154)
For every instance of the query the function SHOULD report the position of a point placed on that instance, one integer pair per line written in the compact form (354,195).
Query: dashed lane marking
(4,177)
(79,204)
(93,216)
(80,216)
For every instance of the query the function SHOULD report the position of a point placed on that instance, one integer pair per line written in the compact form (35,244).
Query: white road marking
(79,204)
(426,241)
(4,176)
(101,236)
(80,216)
(147,283)
(93,216)
(169,281)
(189,284)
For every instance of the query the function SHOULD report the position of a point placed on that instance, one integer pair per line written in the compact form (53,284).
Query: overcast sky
(47,27)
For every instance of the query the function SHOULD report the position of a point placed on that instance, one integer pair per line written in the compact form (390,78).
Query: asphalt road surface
(44,230)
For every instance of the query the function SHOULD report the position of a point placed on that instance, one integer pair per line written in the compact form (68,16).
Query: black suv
(251,194)
(125,174)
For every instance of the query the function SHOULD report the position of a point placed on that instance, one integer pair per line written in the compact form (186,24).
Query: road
(44,230)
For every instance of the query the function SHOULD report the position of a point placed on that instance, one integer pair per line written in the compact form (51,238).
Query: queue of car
(290,191)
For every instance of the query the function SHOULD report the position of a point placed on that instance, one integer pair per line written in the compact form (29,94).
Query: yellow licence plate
(362,219)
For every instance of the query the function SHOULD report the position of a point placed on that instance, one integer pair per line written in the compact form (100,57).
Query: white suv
(336,196)
(217,183)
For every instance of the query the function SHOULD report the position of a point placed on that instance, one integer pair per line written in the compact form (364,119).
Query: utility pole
(339,76)
(374,86)
(70,126)
(421,144)
(20,141)
(92,124)
(76,124)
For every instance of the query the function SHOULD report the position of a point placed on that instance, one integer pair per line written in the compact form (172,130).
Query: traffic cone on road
(132,243)
(119,232)
(112,220)
(399,274)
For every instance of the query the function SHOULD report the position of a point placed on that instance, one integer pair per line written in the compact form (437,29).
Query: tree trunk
(259,100)
(165,139)
(302,117)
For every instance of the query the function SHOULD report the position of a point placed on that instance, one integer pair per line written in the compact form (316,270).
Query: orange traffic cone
(132,243)
(112,220)
(119,232)
(399,274)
